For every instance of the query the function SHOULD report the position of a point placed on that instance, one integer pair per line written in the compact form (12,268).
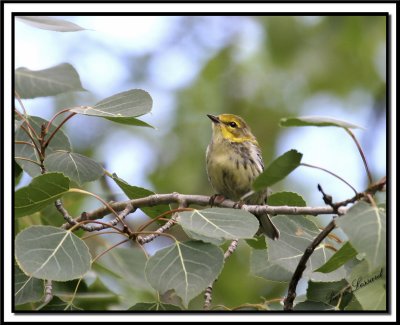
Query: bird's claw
(216,198)
(238,204)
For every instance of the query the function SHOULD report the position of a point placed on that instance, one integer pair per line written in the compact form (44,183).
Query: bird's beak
(214,119)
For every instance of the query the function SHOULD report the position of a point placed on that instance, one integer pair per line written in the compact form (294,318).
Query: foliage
(109,258)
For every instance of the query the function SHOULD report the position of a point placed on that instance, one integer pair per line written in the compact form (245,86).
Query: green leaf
(26,288)
(343,255)
(154,306)
(278,170)
(286,198)
(57,304)
(59,142)
(317,121)
(127,264)
(369,288)
(257,242)
(372,297)
(330,293)
(365,226)
(51,253)
(42,191)
(296,234)
(121,107)
(48,82)
(219,223)
(17,172)
(50,23)
(135,192)
(129,121)
(188,268)
(260,266)
(79,168)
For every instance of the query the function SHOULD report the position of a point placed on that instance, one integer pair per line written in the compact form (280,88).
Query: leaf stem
(110,248)
(331,173)
(20,101)
(162,215)
(30,160)
(24,142)
(361,153)
(46,143)
(28,124)
(54,117)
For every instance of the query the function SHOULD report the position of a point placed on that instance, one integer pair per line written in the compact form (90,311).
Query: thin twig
(146,239)
(208,293)
(48,292)
(100,225)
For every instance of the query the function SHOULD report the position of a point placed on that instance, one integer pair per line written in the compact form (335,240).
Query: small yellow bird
(234,161)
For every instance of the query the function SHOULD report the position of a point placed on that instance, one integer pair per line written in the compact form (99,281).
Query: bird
(233,161)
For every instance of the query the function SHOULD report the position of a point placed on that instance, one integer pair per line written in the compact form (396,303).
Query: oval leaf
(50,23)
(51,253)
(329,292)
(260,266)
(278,169)
(77,167)
(188,268)
(219,223)
(131,103)
(48,82)
(317,121)
(365,226)
(59,142)
(343,255)
(26,288)
(42,191)
(286,198)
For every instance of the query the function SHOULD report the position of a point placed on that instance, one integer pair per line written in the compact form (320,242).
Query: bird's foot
(216,199)
(238,204)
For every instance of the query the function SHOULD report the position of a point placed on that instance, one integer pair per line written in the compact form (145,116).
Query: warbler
(233,162)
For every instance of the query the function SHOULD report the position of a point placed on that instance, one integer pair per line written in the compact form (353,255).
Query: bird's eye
(232,124)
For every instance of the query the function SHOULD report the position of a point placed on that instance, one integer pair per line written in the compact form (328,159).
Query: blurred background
(261,68)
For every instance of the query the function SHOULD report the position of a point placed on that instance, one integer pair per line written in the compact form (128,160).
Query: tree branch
(288,302)
(202,200)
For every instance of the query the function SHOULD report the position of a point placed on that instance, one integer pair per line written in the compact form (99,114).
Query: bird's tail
(267,227)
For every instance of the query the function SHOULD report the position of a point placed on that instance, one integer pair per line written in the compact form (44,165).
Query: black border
(388,111)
